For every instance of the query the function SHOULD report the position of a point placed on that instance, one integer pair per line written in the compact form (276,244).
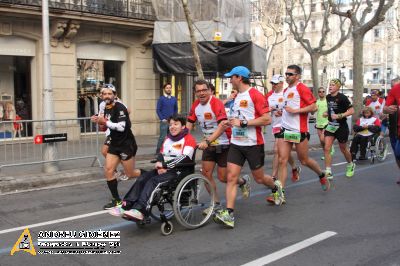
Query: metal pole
(49,149)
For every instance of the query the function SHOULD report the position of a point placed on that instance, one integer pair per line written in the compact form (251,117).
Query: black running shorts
(253,154)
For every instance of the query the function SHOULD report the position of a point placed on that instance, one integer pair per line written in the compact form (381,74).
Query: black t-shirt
(339,104)
(119,113)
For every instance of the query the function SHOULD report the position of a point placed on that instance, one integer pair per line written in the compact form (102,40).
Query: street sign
(48,138)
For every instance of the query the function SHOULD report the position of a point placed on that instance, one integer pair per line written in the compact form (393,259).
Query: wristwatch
(243,123)
(208,142)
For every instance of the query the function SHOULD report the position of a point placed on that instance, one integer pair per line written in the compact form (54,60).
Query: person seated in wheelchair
(366,128)
(175,160)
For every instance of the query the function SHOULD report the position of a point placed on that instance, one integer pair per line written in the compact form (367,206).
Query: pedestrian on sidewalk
(167,106)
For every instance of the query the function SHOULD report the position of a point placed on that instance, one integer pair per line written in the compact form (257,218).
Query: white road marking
(291,249)
(52,222)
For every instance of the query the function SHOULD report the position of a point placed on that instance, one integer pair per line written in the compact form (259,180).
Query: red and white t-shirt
(372,121)
(275,103)
(248,105)
(173,149)
(208,117)
(297,97)
(393,98)
(377,106)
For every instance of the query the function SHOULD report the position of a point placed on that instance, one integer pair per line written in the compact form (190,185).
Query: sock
(322,175)
(328,169)
(274,178)
(113,186)
(350,164)
(275,189)
(244,182)
(217,203)
(230,210)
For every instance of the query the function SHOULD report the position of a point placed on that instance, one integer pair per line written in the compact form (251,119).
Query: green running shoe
(112,204)
(278,194)
(225,218)
(350,170)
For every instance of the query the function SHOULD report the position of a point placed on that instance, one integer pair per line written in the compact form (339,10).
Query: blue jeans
(164,127)
(395,142)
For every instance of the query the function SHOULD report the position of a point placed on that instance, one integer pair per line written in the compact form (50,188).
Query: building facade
(381,49)
(92,42)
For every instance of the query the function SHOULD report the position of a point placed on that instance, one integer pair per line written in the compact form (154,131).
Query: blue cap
(239,71)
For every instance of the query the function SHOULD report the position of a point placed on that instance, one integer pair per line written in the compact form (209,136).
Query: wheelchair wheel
(192,197)
(167,228)
(381,149)
(168,211)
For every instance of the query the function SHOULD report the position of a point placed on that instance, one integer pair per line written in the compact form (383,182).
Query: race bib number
(332,127)
(240,133)
(291,136)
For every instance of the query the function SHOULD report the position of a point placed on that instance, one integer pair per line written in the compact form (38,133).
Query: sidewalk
(21,178)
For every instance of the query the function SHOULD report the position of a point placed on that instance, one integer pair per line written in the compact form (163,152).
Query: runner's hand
(291,110)
(235,122)
(203,145)
(391,109)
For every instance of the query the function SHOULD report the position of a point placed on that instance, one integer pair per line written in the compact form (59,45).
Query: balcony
(133,9)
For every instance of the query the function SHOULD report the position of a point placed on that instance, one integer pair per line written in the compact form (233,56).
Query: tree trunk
(314,71)
(358,80)
(193,40)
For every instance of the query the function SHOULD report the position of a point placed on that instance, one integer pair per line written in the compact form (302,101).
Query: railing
(22,142)
(138,9)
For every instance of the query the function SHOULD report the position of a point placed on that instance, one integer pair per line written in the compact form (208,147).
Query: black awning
(177,58)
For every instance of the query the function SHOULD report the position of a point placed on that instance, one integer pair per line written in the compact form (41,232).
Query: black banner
(177,58)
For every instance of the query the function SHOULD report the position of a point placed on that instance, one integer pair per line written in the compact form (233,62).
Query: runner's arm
(263,120)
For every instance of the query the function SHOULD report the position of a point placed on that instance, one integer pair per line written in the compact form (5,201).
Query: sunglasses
(290,74)
(274,83)
(321,92)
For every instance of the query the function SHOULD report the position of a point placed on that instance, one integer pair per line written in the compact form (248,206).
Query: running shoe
(350,170)
(296,174)
(113,203)
(216,208)
(117,211)
(270,199)
(245,188)
(134,214)
(325,184)
(123,177)
(322,158)
(117,174)
(225,218)
(278,194)
(329,175)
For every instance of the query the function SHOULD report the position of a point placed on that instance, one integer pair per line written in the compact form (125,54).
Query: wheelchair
(186,198)
(377,149)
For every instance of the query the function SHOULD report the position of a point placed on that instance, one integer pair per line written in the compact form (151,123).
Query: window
(322,6)
(313,25)
(301,26)
(350,74)
(377,33)
(375,75)
(313,7)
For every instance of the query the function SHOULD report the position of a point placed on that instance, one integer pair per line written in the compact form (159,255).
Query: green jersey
(322,108)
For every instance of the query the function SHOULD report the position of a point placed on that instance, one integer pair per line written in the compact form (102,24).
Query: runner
(299,101)
(249,114)
(276,105)
(392,108)
(122,147)
(119,175)
(339,108)
(322,121)
(209,112)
